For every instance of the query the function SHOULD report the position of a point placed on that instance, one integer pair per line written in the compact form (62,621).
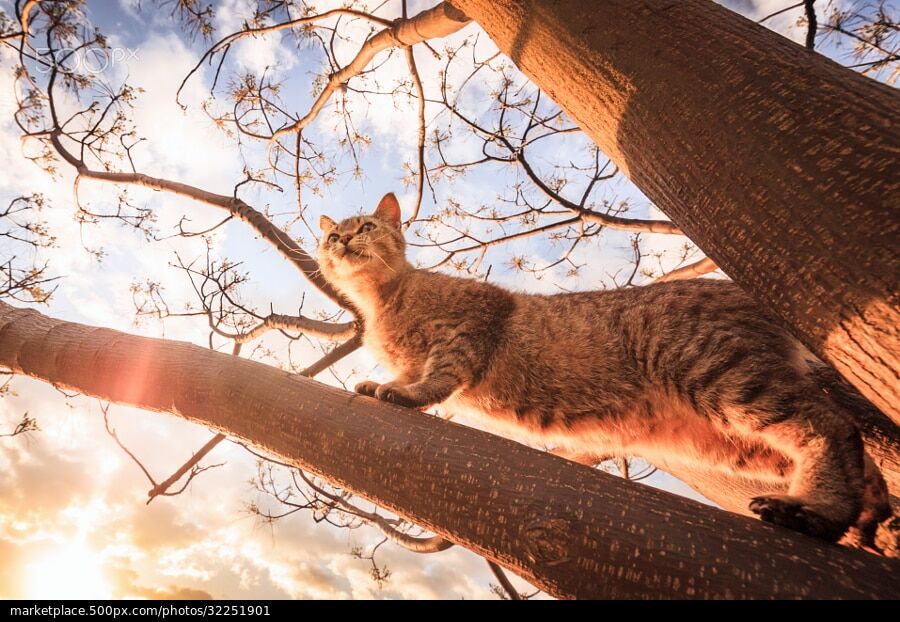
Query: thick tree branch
(570,530)
(322,364)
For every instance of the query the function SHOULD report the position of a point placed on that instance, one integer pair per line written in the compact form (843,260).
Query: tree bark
(777,162)
(571,530)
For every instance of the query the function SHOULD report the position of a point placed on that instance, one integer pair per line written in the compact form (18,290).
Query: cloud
(253,54)
(166,593)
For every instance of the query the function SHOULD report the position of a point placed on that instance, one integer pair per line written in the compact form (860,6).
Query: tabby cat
(683,374)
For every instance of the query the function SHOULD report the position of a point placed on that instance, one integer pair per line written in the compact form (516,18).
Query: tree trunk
(777,162)
(571,530)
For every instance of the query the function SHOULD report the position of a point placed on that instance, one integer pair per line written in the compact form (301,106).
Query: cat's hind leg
(876,509)
(827,484)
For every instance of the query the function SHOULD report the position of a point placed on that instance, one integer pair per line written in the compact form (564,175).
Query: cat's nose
(345,239)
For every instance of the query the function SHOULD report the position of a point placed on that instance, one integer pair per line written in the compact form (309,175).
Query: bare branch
(305,325)
(811,23)
(690,271)
(26,425)
(345,349)
(289,248)
(433,23)
(223,44)
(607,220)
(420,92)
(508,587)
(163,487)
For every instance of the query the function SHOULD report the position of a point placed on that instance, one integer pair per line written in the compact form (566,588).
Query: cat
(680,373)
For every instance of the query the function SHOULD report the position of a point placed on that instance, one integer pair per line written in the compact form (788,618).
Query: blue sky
(69,495)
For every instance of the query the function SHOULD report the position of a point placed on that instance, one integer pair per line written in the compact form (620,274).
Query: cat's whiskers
(386,264)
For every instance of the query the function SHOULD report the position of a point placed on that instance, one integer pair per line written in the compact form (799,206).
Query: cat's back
(636,313)
(661,332)
(566,324)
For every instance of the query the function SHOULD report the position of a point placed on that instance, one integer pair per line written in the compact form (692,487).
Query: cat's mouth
(348,253)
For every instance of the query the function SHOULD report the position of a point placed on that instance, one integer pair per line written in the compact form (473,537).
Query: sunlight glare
(74,572)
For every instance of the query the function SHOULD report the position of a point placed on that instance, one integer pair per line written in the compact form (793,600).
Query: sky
(73,515)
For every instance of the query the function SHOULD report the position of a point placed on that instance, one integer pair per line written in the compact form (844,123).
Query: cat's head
(367,248)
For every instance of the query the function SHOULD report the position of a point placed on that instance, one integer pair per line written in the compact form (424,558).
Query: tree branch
(420,147)
(607,220)
(508,587)
(436,22)
(163,487)
(570,530)
(26,425)
(285,244)
(811,23)
(323,363)
(299,323)
(225,42)
(780,11)
(690,271)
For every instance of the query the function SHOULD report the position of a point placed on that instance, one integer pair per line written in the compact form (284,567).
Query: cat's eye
(334,237)
(367,227)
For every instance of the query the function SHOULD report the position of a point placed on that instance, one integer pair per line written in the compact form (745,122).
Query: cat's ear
(389,209)
(326,224)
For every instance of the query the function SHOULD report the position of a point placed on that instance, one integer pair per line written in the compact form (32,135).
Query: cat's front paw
(367,387)
(793,513)
(397,394)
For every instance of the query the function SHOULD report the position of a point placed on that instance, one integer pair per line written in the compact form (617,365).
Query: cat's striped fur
(685,372)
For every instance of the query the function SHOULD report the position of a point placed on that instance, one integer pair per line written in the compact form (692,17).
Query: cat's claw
(794,514)
(396,395)
(367,387)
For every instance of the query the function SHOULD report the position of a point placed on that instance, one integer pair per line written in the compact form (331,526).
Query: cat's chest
(396,347)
